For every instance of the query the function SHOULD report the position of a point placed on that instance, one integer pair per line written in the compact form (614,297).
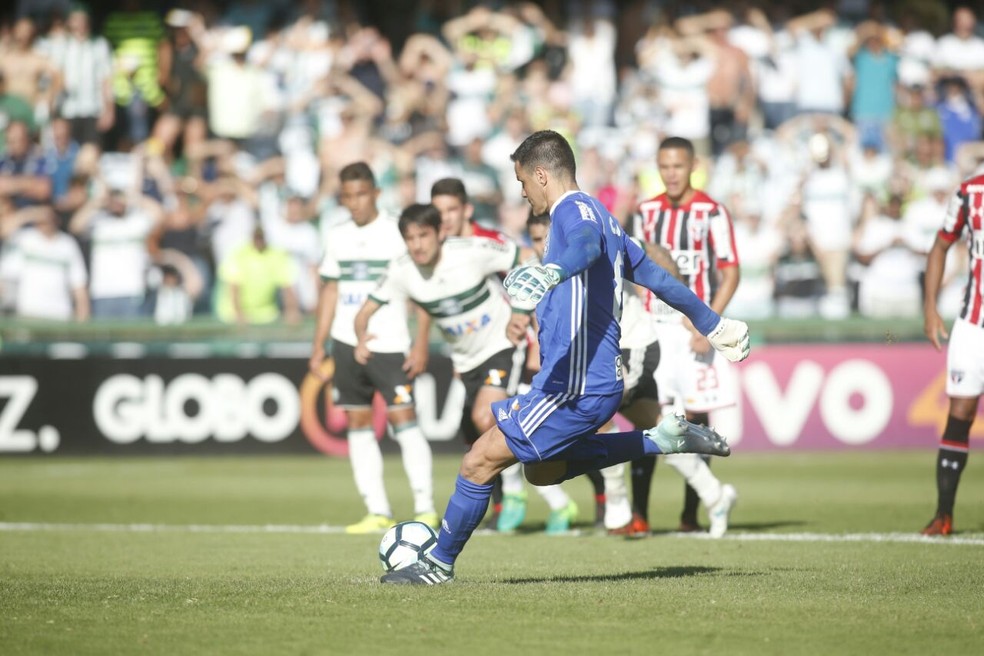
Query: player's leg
(645,410)
(964,385)
(951,459)
(355,393)
(691,499)
(618,509)
(598,489)
(385,370)
(482,463)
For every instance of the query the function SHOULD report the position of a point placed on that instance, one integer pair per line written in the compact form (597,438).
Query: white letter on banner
(118,408)
(19,392)
(861,425)
(783,417)
(445,427)
(180,392)
(287,412)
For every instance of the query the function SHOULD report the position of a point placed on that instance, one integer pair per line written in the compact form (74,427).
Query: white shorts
(965,360)
(697,383)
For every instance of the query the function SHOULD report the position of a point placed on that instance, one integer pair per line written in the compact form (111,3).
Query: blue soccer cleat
(677,435)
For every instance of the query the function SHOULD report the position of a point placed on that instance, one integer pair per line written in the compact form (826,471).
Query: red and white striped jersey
(966,213)
(699,235)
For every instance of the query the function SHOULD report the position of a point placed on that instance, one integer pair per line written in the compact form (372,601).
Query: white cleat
(677,435)
(720,512)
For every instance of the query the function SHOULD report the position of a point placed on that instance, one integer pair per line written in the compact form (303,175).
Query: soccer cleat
(560,521)
(429,518)
(637,528)
(370,524)
(720,512)
(689,527)
(513,512)
(423,572)
(677,435)
(940,525)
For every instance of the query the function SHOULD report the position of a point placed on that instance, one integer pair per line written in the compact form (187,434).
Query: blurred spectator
(252,279)
(799,278)
(760,246)
(229,218)
(85,64)
(682,68)
(172,304)
(137,36)
(776,74)
(481,181)
(730,88)
(63,152)
(184,83)
(913,119)
(591,53)
(118,227)
(825,69)
(959,116)
(961,51)
(873,84)
(12,108)
(46,267)
(890,282)
(25,171)
(828,198)
(29,73)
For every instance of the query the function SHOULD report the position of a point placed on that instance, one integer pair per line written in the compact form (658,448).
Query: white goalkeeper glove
(730,337)
(528,284)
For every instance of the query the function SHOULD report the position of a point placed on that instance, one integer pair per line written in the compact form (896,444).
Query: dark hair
(546,149)
(450,187)
(678,142)
(420,214)
(537,220)
(357,171)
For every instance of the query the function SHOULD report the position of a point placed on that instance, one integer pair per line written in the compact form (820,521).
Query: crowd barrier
(68,401)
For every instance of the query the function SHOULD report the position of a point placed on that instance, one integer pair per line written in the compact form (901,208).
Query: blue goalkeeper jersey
(579,318)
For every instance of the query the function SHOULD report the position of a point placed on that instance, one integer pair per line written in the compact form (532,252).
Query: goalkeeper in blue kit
(577,294)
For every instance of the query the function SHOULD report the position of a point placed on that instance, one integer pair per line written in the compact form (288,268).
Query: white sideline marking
(975,539)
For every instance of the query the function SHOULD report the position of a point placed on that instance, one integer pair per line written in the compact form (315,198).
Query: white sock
(698,475)
(554,495)
(367,467)
(618,510)
(418,464)
(512,479)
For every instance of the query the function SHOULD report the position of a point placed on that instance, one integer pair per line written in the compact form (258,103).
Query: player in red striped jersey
(698,232)
(965,376)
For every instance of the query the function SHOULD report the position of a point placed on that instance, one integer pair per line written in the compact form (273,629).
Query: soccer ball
(404,543)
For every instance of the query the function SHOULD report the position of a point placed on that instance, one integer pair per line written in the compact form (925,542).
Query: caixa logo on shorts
(956,375)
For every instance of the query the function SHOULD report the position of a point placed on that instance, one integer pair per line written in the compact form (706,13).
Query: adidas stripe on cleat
(677,435)
(422,572)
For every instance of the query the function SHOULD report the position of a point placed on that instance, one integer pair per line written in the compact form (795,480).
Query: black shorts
(502,370)
(638,369)
(356,383)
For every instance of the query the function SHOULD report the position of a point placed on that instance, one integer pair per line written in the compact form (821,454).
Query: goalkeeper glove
(528,284)
(730,337)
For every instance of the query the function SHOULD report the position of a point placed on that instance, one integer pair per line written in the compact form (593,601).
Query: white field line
(974,539)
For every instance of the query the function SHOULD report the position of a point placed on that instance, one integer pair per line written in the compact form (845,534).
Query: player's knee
(545,473)
(482,418)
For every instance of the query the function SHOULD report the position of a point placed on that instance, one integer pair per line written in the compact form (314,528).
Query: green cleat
(560,521)
(513,512)
(370,524)
(677,435)
(429,518)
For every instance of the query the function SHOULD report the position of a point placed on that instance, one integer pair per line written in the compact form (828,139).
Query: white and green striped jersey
(357,258)
(467,304)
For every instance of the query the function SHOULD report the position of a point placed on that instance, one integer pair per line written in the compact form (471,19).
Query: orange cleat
(637,528)
(940,525)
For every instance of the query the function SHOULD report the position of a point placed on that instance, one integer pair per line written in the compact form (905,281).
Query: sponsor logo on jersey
(496,377)
(587,214)
(956,375)
(459,330)
(502,416)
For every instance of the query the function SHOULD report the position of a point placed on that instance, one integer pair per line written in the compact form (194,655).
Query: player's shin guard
(950,462)
(418,464)
(367,468)
(698,476)
(465,510)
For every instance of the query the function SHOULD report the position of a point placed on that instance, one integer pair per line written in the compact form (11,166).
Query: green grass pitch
(237,556)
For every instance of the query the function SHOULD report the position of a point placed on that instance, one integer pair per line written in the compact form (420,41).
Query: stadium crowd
(186,162)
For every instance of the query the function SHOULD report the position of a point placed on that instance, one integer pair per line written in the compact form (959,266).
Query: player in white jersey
(449,196)
(357,253)
(698,233)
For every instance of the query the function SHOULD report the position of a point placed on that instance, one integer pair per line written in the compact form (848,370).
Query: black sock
(950,462)
(642,479)
(597,481)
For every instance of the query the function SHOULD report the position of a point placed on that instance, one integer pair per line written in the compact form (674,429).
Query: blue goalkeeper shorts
(542,426)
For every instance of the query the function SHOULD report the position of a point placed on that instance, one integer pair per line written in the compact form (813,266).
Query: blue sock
(466,507)
(617,447)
